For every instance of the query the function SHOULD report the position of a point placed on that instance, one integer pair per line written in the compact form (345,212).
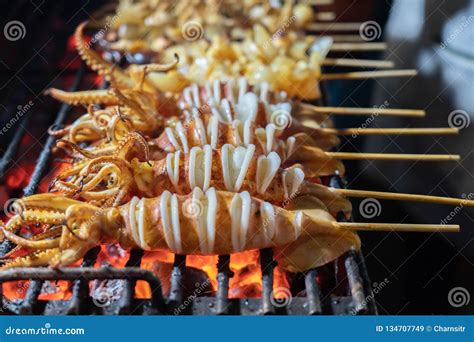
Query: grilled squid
(230,168)
(299,147)
(228,101)
(237,100)
(199,223)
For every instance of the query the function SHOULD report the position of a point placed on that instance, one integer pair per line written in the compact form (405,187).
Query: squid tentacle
(84,97)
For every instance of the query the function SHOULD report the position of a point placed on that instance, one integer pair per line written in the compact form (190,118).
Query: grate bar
(13,147)
(80,288)
(34,290)
(176,290)
(43,158)
(223,275)
(313,292)
(129,286)
(88,273)
(371,307)
(267,265)
(355,284)
(31,298)
(359,291)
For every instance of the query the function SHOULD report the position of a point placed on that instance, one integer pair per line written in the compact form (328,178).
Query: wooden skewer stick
(363,111)
(392,131)
(393,156)
(343,38)
(325,16)
(356,75)
(405,197)
(333,26)
(361,63)
(399,227)
(362,46)
(318,2)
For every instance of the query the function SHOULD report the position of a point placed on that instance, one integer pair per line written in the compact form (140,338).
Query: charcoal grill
(341,287)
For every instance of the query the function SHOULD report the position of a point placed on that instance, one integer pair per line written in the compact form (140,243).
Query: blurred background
(434,36)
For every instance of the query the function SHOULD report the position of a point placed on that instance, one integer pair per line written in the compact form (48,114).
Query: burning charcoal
(50,287)
(195,281)
(104,292)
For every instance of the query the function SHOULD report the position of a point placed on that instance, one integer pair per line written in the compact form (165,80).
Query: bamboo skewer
(361,63)
(333,26)
(356,75)
(393,156)
(318,2)
(355,46)
(363,111)
(405,197)
(391,131)
(399,227)
(325,16)
(343,38)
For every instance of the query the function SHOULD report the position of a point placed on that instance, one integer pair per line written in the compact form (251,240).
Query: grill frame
(312,303)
